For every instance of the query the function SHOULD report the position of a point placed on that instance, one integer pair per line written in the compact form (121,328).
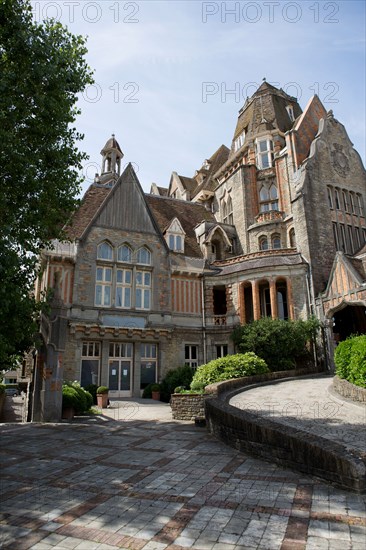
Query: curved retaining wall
(283,444)
(346,389)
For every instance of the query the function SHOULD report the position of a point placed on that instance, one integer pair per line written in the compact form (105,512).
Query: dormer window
(175,243)
(264,153)
(174,236)
(290,112)
(239,142)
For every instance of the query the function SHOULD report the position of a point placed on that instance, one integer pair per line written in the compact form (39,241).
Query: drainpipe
(311,298)
(203,318)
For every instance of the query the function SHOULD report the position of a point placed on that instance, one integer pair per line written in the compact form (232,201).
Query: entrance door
(120,378)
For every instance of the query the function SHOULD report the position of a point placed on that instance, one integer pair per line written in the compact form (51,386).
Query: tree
(280,343)
(42,71)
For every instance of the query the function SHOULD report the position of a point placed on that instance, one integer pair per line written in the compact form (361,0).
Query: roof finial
(264,79)
(113,136)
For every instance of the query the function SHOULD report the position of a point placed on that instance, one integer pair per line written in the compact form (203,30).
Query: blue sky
(171,76)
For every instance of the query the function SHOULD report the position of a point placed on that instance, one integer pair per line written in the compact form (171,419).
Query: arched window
(268,198)
(263,243)
(124,253)
(105,251)
(273,192)
(144,256)
(292,238)
(276,241)
(263,193)
(229,206)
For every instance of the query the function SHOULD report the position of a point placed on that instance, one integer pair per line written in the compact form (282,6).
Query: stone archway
(350,319)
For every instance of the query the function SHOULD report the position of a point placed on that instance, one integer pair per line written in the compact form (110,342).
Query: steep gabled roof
(83,216)
(215,161)
(189,215)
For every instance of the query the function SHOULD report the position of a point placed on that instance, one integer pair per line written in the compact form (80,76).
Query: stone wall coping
(220,388)
(283,444)
(350,391)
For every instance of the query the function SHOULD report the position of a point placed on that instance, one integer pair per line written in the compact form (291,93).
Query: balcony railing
(270,215)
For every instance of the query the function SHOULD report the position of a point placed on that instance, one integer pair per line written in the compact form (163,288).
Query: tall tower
(111,163)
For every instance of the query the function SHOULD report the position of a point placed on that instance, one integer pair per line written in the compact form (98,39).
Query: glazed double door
(120,371)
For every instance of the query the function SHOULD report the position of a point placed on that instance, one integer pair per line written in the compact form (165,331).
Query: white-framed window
(263,243)
(276,241)
(149,354)
(359,204)
(143,290)
(337,201)
(90,356)
(221,350)
(345,201)
(105,251)
(330,198)
(123,287)
(175,242)
(124,253)
(268,198)
(144,256)
(191,355)
(103,287)
(264,152)
(239,141)
(121,349)
(353,209)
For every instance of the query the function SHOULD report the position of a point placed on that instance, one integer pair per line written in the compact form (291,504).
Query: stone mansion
(272,226)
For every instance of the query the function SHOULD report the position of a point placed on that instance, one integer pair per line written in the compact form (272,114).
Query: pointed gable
(347,274)
(126,207)
(305,130)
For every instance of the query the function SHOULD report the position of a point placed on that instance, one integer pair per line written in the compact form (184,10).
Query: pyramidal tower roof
(266,110)
(112,143)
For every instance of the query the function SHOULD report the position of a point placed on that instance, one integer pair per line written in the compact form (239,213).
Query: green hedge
(182,376)
(75,396)
(280,343)
(226,368)
(2,388)
(350,360)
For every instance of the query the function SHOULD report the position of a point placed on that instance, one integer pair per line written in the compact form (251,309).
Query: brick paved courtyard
(107,483)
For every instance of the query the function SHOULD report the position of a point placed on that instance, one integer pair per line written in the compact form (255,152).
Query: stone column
(256,300)
(273,297)
(290,300)
(242,304)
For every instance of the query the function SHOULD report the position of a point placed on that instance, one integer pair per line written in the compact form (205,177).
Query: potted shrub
(155,392)
(69,402)
(102,397)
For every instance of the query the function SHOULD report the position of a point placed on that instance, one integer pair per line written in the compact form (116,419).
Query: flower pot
(155,395)
(68,413)
(102,400)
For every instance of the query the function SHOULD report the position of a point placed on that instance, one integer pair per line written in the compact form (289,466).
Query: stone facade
(187,406)
(149,282)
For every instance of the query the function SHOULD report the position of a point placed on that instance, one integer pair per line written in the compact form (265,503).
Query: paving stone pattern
(310,405)
(103,484)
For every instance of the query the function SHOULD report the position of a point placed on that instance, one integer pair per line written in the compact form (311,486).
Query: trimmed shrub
(92,389)
(73,395)
(350,360)
(182,376)
(227,368)
(280,343)
(146,394)
(102,389)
